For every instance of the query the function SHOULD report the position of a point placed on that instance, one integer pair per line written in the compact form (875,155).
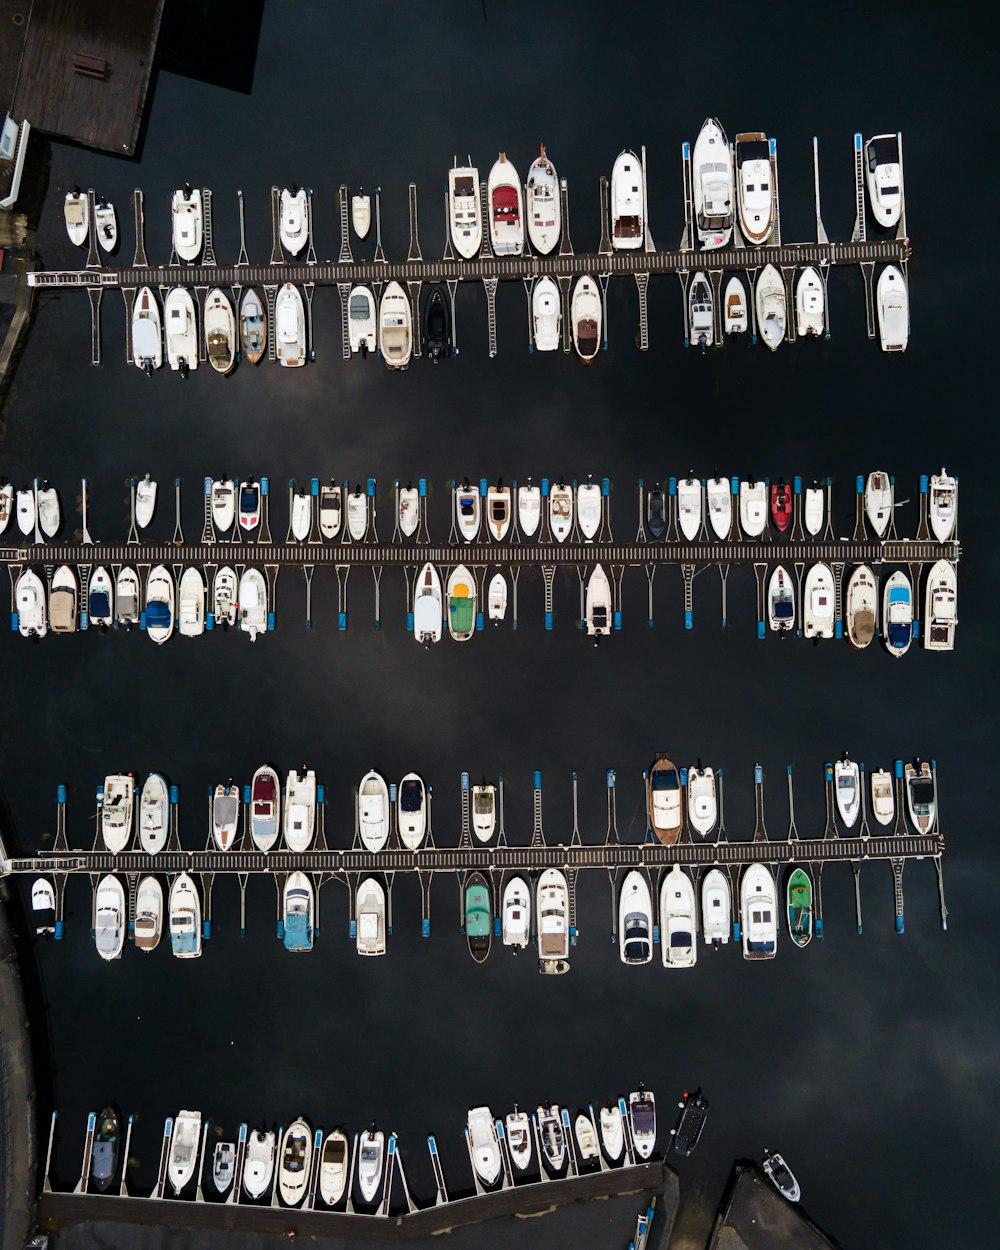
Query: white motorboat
(703,808)
(810,304)
(719,493)
(552,917)
(754,195)
(642,1120)
(518,1129)
(334,1161)
(882,174)
(496,598)
(712,183)
(484,1146)
(548,1119)
(940,607)
(678,920)
(701,312)
(818,602)
(148,914)
(295,1162)
(484,811)
(147,342)
(544,213)
(515,911)
(883,797)
(529,509)
(373,811)
(220,332)
(427,606)
(187,223)
(612,1132)
(395,327)
(847,787)
(184,915)
(253,326)
(370,1162)
(300,810)
(361,214)
(716,908)
(689,507)
(6,505)
(265,808)
(49,515)
(920,797)
(758,913)
(225,589)
(588,510)
(330,510)
(290,327)
(185,1140)
(301,518)
(118,797)
(772,310)
(145,501)
(943,505)
(546,315)
(154,814)
(63,592)
(249,501)
(109,918)
(370,939)
(781,601)
(298,904)
(106,225)
(27,511)
(586,1138)
(293,223)
(814,510)
(252,601)
(408,506)
(586,317)
(159,611)
(461,594)
(560,511)
(225,815)
(598,610)
(503,190)
(357,514)
(468,513)
(897,614)
(191,603)
(181,329)
(892,302)
(734,307)
(753,508)
(878,501)
(628,227)
(76,214)
(635,919)
(498,510)
(861,607)
(780,1176)
(101,598)
(258,1166)
(411,811)
(223,1166)
(29,602)
(127,612)
(362,323)
(465,219)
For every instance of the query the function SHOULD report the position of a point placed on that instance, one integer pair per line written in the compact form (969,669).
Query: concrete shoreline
(17,1091)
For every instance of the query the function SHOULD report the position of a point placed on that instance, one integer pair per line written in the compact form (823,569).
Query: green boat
(478,916)
(461,604)
(800,907)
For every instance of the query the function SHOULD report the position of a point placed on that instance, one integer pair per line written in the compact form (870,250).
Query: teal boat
(478,916)
(800,907)
(298,909)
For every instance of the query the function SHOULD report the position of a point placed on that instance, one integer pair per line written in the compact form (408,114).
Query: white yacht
(6,505)
(678,920)
(546,315)
(712,182)
(159,611)
(185,1141)
(612,1132)
(516,914)
(702,806)
(560,511)
(484,811)
(373,811)
(362,323)
(689,507)
(409,510)
(921,802)
(127,611)
(701,312)
(897,614)
(719,493)
(468,511)
(371,1159)
(758,913)
(814,510)
(301,515)
(145,501)
(225,589)
(461,596)
(106,225)
(635,919)
(943,505)
(847,787)
(191,603)
(220,332)
(333,1166)
(253,614)
(109,918)
(518,1128)
(734,307)
(810,304)
(772,311)
(293,224)
(529,509)
(496,598)
(878,501)
(186,211)
(544,214)
(484,1146)
(154,814)
(253,326)
(295,1162)
(300,810)
(861,607)
(181,329)
(463,206)
(818,602)
(642,1119)
(184,917)
(753,508)
(586,315)
(892,302)
(265,808)
(503,190)
(754,195)
(225,815)
(781,601)
(427,606)
(395,327)
(628,227)
(361,215)
(411,811)
(76,214)
(598,604)
(290,327)
(941,607)
(882,174)
(716,908)
(498,510)
(224,504)
(357,514)
(147,339)
(258,1166)
(148,914)
(552,912)
(370,939)
(116,811)
(29,602)
(883,800)
(588,510)
(63,593)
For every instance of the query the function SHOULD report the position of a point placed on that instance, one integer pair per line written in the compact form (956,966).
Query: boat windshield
(411,796)
(360,308)
(665,779)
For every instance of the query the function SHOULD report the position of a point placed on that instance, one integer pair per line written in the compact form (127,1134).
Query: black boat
(656,517)
(694,1113)
(104,1153)
(437,325)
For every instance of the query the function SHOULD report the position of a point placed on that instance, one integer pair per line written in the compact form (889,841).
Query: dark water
(871,1061)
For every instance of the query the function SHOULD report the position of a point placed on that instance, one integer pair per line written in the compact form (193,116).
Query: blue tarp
(158,614)
(100,603)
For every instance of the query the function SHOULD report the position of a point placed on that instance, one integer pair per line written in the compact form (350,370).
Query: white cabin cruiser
(892,301)
(943,505)
(689,507)
(76,214)
(612,1132)
(154,814)
(29,602)
(300,810)
(716,908)
(395,327)
(301,515)
(515,911)
(598,604)
(249,501)
(181,331)
(106,225)
(588,510)
(814,510)
(546,315)
(734,307)
(484,811)
(552,913)
(373,811)
(159,611)
(818,602)
(781,601)
(265,808)
(252,603)
(635,919)
(101,598)
(184,1143)
(27,511)
(753,508)
(465,221)
(145,501)
(468,513)
(772,311)
(642,1120)
(498,510)
(370,1162)
(496,598)
(702,806)
(719,493)
(186,211)
(678,920)
(921,802)
(878,501)
(701,312)
(503,191)
(333,1165)
(408,507)
(109,918)
(628,227)
(941,607)
(225,589)
(184,915)
(295,1162)
(362,323)
(147,344)
(754,195)
(191,603)
(148,914)
(370,939)
(225,815)
(331,498)
(882,174)
(427,606)
(127,611)
(543,206)
(897,614)
(220,332)
(361,214)
(861,607)
(847,787)
(810,304)
(529,509)
(712,180)
(484,1147)
(357,514)
(518,1128)
(462,601)
(883,799)
(586,316)
(293,224)
(758,913)
(411,811)
(560,511)
(290,327)
(63,593)
(258,1167)
(6,505)
(49,515)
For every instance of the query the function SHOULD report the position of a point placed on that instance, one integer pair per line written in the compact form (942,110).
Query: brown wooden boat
(665,801)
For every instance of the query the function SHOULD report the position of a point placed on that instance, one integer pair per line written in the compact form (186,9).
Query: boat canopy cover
(411,796)
(298,935)
(665,779)
(145,337)
(226,809)
(784,608)
(249,499)
(100,603)
(899,634)
(462,613)
(477,911)
(643,1118)
(158,614)
(922,791)
(680,940)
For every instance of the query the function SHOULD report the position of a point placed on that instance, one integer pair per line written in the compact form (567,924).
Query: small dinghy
(515,911)
(518,1128)
(27,511)
(546,316)
(411,811)
(76,214)
(781,505)
(484,811)
(462,602)
(290,327)
(224,592)
(361,214)
(943,505)
(185,918)
(810,304)
(154,814)
(223,1166)
(301,519)
(106,225)
(104,1153)
(586,314)
(362,323)
(330,510)
(395,327)
(258,1166)
(293,225)
(127,611)
(468,514)
(145,501)
(772,311)
(716,908)
(63,596)
(702,804)
(496,598)
(373,811)
(427,606)
(409,510)
(298,899)
(897,614)
(29,602)
(249,501)
(883,797)
(529,509)
(503,190)
(718,491)
(148,914)
(818,602)
(892,303)
(598,604)
(799,907)
(734,307)
(780,1175)
(253,326)
(109,918)
(920,801)
(225,815)
(814,510)
(300,810)
(753,508)
(220,332)
(701,312)
(252,601)
(147,342)
(181,327)
(265,808)
(357,514)
(689,507)
(781,601)
(49,515)
(847,787)
(586,1138)
(612,1132)
(560,511)
(370,1162)
(191,603)
(656,512)
(333,1164)
(187,223)
(588,510)
(498,510)
(543,208)
(861,607)
(43,906)
(101,598)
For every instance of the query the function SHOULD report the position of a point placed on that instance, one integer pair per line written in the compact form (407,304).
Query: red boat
(781,505)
